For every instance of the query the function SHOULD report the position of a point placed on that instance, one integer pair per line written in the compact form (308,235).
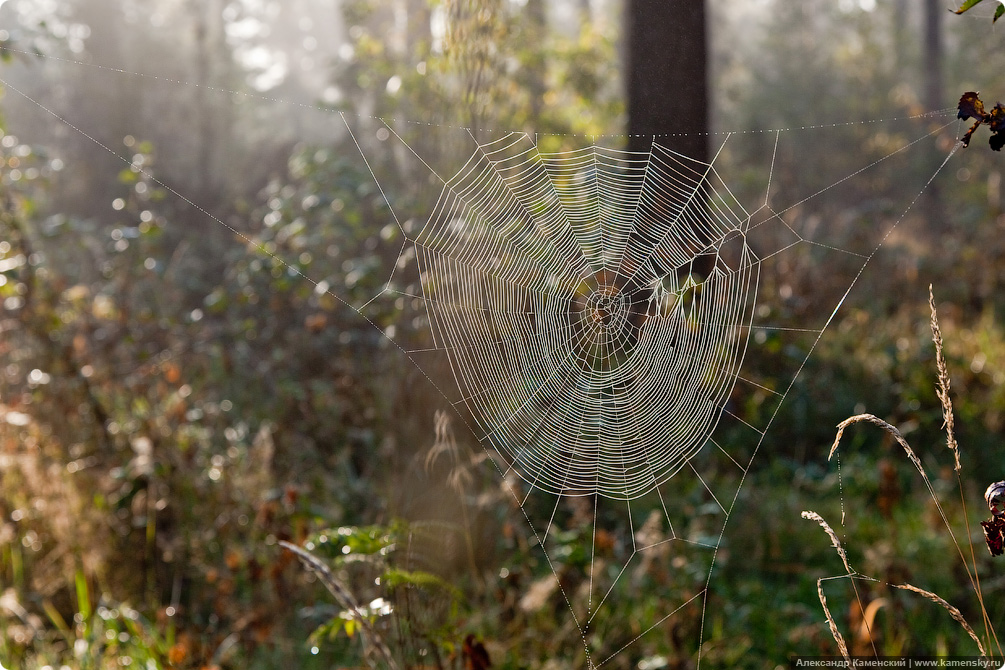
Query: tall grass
(965,549)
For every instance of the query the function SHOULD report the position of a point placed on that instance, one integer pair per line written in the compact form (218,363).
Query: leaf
(54,616)
(965,6)
(996,119)
(969,4)
(475,655)
(993,528)
(970,106)
(329,630)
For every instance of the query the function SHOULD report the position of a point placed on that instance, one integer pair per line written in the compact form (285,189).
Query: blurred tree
(210,53)
(668,81)
(668,75)
(536,67)
(934,9)
(900,36)
(934,99)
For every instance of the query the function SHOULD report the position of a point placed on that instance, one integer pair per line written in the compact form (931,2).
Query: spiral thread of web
(594,306)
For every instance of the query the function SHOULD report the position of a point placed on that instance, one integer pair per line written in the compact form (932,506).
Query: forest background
(174,403)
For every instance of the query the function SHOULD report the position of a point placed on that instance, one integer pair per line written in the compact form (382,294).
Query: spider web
(604,315)
(604,318)
(601,313)
(563,288)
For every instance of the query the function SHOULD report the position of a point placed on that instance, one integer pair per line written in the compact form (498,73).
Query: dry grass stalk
(947,420)
(835,633)
(953,612)
(943,389)
(373,642)
(445,442)
(892,430)
(813,516)
(971,570)
(842,647)
(870,418)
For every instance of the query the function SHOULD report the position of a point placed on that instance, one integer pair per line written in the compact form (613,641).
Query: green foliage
(416,608)
(176,399)
(199,401)
(970,4)
(512,73)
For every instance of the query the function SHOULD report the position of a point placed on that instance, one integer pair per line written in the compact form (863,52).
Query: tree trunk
(934,9)
(933,100)
(207,15)
(667,76)
(900,34)
(667,101)
(536,65)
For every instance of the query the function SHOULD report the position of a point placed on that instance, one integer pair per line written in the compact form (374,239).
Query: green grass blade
(83,595)
(55,617)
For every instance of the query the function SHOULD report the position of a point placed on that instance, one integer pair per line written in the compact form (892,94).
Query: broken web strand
(293,269)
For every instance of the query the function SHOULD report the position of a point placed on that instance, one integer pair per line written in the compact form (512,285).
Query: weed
(969,564)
